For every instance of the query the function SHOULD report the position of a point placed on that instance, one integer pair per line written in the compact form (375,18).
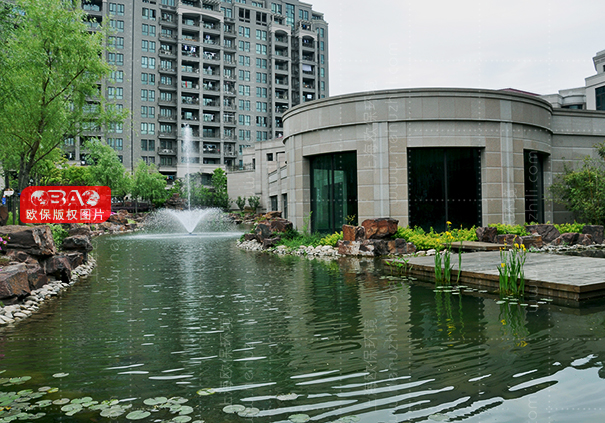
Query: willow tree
(51,68)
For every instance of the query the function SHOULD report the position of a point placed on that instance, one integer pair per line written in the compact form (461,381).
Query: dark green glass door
(333,191)
(533,164)
(444,184)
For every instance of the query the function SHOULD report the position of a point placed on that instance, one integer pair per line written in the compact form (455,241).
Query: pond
(194,319)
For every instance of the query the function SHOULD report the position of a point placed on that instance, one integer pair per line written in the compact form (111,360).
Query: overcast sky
(540,46)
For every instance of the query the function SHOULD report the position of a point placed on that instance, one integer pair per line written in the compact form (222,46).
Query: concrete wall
(380,126)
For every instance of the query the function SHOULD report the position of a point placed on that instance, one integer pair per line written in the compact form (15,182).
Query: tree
(221,196)
(106,169)
(240,202)
(582,191)
(50,70)
(148,183)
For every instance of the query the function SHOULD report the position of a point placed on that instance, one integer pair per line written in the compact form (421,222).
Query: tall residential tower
(228,70)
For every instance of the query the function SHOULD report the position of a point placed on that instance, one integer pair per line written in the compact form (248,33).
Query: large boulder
(400,246)
(14,281)
(270,242)
(353,233)
(595,231)
(573,238)
(534,240)
(118,219)
(273,215)
(381,228)
(263,230)
(548,232)
(280,225)
(77,243)
(487,234)
(36,277)
(252,237)
(34,240)
(75,259)
(59,267)
(80,230)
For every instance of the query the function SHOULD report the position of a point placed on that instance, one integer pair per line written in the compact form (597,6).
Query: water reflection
(174,315)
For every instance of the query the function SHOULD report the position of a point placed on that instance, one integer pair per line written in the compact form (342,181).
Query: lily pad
(287,397)
(25,392)
(71,409)
(19,380)
(181,419)
(53,390)
(185,409)
(113,411)
(178,400)
(206,391)
(299,418)
(60,375)
(36,416)
(232,409)
(155,401)
(137,415)
(43,403)
(44,389)
(61,401)
(81,400)
(248,412)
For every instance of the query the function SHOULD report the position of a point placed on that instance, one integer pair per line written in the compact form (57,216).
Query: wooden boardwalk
(549,275)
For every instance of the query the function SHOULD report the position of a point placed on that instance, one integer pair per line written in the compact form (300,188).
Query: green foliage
(295,242)
(148,183)
(306,229)
(59,233)
(582,191)
(510,229)
(433,240)
(106,168)
(331,240)
(512,275)
(254,202)
(220,196)
(241,202)
(50,68)
(570,227)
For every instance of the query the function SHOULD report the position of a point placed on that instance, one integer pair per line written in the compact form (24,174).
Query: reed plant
(443,267)
(512,275)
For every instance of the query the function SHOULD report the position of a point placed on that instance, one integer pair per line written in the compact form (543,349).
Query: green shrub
(434,240)
(254,202)
(59,233)
(241,202)
(331,240)
(295,242)
(570,227)
(510,229)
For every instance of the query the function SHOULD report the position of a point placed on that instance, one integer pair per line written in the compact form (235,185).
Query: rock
(400,246)
(75,259)
(280,225)
(59,267)
(263,230)
(3,215)
(175,202)
(273,215)
(36,277)
(548,232)
(349,248)
(534,240)
(77,243)
(487,234)
(380,228)
(18,255)
(353,233)
(569,238)
(34,240)
(585,239)
(13,281)
(131,226)
(595,231)
(251,237)
(76,229)
(270,242)
(118,219)
(508,239)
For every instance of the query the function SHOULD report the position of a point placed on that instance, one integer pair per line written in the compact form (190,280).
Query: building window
(600,97)
(290,15)
(261,92)
(244,31)
(261,35)
(261,121)
(333,190)
(117,25)
(149,14)
(273,200)
(261,48)
(261,77)
(227,12)
(117,76)
(276,8)
(261,106)
(284,205)
(261,63)
(116,42)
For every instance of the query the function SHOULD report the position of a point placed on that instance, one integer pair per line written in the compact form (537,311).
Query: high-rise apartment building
(226,69)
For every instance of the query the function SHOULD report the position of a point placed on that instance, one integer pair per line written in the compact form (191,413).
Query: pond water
(174,315)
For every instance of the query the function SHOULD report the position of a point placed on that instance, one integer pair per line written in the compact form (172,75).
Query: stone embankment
(33,270)
(543,235)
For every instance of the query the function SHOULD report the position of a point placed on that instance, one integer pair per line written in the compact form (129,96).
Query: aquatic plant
(510,270)
(444,258)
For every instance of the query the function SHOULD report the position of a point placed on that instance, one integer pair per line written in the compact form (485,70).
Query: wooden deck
(549,275)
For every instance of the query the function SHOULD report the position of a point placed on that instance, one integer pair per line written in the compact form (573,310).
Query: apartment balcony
(190,69)
(171,22)
(194,3)
(229,45)
(212,88)
(210,119)
(167,102)
(169,37)
(187,55)
(281,109)
(229,107)
(281,68)
(281,53)
(167,135)
(194,101)
(308,44)
(211,152)
(230,137)
(281,40)
(230,152)
(211,26)
(283,82)
(308,58)
(211,104)
(210,56)
(281,96)
(229,92)
(169,118)
(167,53)
(211,41)
(167,86)
(167,7)
(166,152)
(190,24)
(166,69)
(229,120)
(93,9)
(167,167)
(211,74)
